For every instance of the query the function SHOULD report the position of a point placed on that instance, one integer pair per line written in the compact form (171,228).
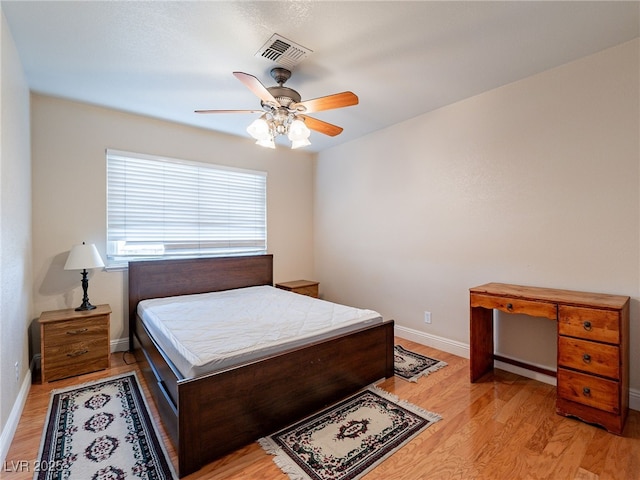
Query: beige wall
(533,183)
(15,237)
(69,194)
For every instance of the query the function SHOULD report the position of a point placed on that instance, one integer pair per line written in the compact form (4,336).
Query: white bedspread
(213,331)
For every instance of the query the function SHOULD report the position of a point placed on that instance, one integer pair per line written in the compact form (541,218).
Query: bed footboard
(222,412)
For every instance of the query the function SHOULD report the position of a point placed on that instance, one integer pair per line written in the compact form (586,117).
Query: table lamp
(82,257)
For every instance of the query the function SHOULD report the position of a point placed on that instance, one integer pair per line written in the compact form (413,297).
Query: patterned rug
(102,430)
(349,439)
(411,365)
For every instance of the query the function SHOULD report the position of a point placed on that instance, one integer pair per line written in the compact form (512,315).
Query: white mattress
(212,331)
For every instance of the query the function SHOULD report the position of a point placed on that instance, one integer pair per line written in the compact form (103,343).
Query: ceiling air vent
(283,51)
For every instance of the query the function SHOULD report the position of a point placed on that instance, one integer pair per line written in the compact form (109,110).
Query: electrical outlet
(17,366)
(427,317)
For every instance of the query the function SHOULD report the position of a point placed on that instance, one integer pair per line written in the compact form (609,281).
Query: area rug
(411,365)
(101,430)
(349,439)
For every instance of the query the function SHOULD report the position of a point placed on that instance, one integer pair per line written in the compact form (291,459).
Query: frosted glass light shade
(298,131)
(259,129)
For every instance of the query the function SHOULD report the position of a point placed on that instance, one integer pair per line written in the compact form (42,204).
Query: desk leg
(481,342)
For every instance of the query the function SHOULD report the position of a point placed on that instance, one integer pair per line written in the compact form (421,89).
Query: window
(166,208)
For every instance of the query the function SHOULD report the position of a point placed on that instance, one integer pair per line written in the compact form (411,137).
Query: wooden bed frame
(214,414)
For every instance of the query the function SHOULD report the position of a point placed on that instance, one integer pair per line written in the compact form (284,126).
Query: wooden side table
(73,343)
(303,287)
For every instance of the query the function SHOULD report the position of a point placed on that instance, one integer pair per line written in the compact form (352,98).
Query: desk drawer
(589,357)
(589,390)
(513,305)
(589,323)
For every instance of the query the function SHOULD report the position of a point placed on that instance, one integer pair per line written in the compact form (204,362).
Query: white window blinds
(166,208)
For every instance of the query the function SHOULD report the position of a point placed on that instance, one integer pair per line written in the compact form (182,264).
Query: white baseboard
(634,399)
(462,350)
(9,429)
(120,345)
(445,344)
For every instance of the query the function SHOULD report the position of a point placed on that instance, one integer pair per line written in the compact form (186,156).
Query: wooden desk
(593,345)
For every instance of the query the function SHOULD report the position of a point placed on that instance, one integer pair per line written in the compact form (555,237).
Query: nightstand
(74,342)
(303,287)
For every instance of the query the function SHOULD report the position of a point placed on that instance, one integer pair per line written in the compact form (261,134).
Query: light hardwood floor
(503,427)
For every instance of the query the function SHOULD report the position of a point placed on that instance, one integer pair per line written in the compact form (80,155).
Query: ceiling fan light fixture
(259,129)
(269,126)
(299,134)
(298,130)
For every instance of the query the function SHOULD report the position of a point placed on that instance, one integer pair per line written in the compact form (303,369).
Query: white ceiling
(402,59)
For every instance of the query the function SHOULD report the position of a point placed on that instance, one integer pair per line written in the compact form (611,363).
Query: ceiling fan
(283,112)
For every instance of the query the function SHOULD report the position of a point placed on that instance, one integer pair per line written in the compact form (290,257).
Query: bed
(208,415)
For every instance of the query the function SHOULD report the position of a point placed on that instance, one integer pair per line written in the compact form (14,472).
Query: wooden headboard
(168,278)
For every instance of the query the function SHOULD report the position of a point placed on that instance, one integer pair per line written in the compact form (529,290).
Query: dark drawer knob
(77,332)
(509,306)
(586,391)
(586,358)
(587,325)
(78,353)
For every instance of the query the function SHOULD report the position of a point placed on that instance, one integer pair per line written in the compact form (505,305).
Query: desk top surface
(567,297)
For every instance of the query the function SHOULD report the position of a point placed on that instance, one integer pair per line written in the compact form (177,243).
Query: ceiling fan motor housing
(284,95)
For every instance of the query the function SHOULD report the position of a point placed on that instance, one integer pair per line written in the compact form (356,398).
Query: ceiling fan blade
(322,127)
(229,111)
(253,84)
(337,100)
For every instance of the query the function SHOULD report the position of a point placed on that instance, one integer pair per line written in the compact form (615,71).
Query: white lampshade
(83,257)
(259,129)
(298,131)
(299,134)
